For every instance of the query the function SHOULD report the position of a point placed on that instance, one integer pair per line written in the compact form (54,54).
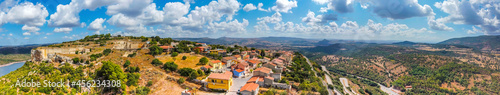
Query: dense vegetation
(300,71)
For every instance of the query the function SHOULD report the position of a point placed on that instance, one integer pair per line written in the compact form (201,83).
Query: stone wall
(53,54)
(127,45)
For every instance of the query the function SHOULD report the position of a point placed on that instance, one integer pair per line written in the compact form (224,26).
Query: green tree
(200,72)
(127,63)
(184,57)
(111,71)
(155,50)
(174,54)
(185,71)
(204,61)
(170,66)
(193,75)
(156,62)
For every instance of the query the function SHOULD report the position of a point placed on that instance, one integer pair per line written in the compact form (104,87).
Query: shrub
(106,52)
(193,75)
(127,63)
(184,57)
(156,62)
(181,80)
(133,79)
(76,60)
(150,83)
(170,66)
(175,54)
(142,91)
(185,71)
(203,61)
(132,55)
(155,50)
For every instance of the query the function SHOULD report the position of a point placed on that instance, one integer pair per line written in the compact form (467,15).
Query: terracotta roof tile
(249,87)
(255,79)
(263,69)
(224,76)
(215,61)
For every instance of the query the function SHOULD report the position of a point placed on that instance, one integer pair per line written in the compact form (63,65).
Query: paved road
(237,84)
(390,91)
(329,80)
(330,92)
(345,84)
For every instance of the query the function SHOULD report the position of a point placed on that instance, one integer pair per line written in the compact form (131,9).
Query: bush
(133,69)
(184,57)
(132,55)
(155,50)
(174,54)
(133,79)
(76,60)
(193,75)
(181,80)
(203,61)
(142,91)
(150,83)
(170,66)
(156,62)
(106,52)
(127,63)
(185,71)
(201,73)
(330,86)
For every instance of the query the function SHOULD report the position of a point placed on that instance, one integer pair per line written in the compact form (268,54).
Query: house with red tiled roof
(238,57)
(253,63)
(167,48)
(257,80)
(203,49)
(240,69)
(246,57)
(250,89)
(217,64)
(262,71)
(206,67)
(229,61)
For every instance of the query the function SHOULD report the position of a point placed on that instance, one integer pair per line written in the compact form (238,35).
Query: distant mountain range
(484,43)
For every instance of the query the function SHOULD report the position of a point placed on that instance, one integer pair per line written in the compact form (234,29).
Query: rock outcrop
(51,55)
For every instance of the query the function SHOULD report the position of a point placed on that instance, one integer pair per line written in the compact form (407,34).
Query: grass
(190,62)
(5,59)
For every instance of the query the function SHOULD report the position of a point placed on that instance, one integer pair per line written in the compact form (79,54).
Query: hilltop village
(154,65)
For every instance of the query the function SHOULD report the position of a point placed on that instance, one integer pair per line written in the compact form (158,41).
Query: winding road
(330,92)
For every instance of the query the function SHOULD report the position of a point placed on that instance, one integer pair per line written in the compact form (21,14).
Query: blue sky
(53,21)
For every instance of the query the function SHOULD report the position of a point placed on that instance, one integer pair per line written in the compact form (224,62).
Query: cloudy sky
(51,21)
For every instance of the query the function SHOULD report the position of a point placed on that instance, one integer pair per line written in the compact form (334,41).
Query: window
(221,81)
(213,80)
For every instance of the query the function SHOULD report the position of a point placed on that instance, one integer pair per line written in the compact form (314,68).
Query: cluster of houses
(247,64)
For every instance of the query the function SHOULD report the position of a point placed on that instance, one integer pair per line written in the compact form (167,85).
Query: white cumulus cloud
(249,7)
(65,30)
(284,6)
(96,25)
